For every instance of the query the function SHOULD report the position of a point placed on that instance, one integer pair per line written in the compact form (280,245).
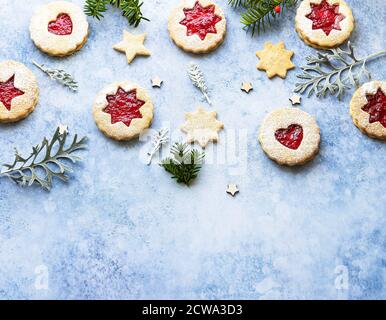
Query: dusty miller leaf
(333,72)
(59,75)
(160,138)
(44,164)
(198,79)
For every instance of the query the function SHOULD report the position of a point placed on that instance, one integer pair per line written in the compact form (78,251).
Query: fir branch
(262,12)
(95,8)
(259,13)
(45,162)
(198,80)
(243,3)
(59,75)
(185,163)
(333,72)
(160,138)
(131,9)
(236,3)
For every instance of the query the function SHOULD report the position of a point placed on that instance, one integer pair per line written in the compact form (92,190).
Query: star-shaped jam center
(62,26)
(376,107)
(8,92)
(124,106)
(325,16)
(200,20)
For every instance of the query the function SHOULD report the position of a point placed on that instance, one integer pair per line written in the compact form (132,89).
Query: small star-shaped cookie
(132,45)
(232,189)
(275,59)
(156,82)
(246,86)
(295,99)
(63,129)
(201,126)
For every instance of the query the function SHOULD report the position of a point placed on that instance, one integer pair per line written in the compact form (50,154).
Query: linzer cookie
(290,136)
(19,91)
(59,28)
(368,109)
(324,24)
(122,110)
(197,26)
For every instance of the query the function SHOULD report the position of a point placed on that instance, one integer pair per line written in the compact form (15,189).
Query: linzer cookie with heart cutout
(59,28)
(290,136)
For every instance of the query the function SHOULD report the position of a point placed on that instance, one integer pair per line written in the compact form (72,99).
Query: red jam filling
(62,26)
(291,137)
(124,106)
(8,91)
(376,107)
(200,20)
(325,16)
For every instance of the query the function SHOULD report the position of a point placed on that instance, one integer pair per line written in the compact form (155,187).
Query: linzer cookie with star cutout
(290,136)
(123,110)
(324,24)
(368,109)
(59,28)
(197,26)
(19,91)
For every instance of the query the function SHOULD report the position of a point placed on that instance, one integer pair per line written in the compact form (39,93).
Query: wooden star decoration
(232,189)
(246,87)
(201,126)
(295,99)
(275,60)
(132,46)
(156,82)
(63,129)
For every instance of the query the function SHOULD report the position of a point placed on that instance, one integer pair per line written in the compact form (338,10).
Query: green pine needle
(45,161)
(185,163)
(236,3)
(260,13)
(131,9)
(95,8)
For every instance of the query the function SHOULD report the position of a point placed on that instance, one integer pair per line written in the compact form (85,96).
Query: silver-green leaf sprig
(159,139)
(333,72)
(59,75)
(197,77)
(46,161)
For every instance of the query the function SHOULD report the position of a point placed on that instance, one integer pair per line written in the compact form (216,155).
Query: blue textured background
(121,229)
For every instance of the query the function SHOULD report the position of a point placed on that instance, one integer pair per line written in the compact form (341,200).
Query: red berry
(277,9)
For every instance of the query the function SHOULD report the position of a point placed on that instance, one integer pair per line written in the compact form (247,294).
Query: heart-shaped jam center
(290,137)
(62,26)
